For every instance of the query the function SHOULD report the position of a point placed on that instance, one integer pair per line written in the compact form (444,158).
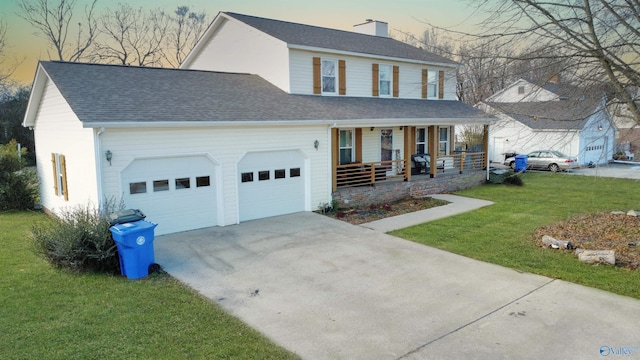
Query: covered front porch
(366,156)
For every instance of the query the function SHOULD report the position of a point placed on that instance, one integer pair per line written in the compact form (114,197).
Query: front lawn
(503,233)
(53,314)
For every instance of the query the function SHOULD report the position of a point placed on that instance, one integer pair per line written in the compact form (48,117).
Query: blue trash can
(135,247)
(521,163)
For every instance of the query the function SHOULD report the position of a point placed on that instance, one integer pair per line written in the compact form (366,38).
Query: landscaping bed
(604,231)
(361,215)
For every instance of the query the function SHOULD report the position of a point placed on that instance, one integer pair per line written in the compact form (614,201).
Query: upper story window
(385,79)
(329,76)
(432,84)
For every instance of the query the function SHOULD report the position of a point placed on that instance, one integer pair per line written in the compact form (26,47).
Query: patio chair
(630,155)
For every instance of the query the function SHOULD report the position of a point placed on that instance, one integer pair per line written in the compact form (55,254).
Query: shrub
(18,186)
(78,239)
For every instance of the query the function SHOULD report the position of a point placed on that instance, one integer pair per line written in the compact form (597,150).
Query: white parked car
(546,160)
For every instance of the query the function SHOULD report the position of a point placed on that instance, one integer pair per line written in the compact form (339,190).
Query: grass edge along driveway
(49,313)
(503,233)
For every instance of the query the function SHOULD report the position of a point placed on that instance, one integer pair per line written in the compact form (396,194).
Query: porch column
(335,157)
(409,148)
(433,150)
(485,144)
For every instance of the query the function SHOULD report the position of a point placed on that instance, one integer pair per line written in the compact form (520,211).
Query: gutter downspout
(98,155)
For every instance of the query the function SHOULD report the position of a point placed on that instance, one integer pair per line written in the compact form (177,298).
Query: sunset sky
(402,15)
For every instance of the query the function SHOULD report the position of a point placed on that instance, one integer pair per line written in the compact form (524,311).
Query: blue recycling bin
(135,247)
(521,163)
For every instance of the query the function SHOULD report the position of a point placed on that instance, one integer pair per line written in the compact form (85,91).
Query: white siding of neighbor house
(531,93)
(522,139)
(58,130)
(226,146)
(236,47)
(358,73)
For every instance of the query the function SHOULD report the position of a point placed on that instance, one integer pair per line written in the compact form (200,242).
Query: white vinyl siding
(58,131)
(226,150)
(236,47)
(358,75)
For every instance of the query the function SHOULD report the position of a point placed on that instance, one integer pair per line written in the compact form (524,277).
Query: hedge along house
(264,118)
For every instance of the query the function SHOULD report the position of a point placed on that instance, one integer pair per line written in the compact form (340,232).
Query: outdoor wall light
(316,144)
(372,128)
(108,155)
(599,127)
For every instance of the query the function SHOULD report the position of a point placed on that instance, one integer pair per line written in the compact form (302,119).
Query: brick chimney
(372,27)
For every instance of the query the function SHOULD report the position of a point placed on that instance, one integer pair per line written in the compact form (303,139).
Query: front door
(386,146)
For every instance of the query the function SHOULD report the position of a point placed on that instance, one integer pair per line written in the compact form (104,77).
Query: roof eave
(37,90)
(381,57)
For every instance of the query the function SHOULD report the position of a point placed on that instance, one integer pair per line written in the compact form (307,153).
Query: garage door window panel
(138,187)
(294,172)
(280,174)
(247,177)
(202,181)
(160,185)
(183,183)
(263,175)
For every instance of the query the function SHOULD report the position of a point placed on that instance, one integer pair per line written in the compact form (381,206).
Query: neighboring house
(628,135)
(264,118)
(553,116)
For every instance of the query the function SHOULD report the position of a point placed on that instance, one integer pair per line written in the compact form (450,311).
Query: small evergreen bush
(18,186)
(77,239)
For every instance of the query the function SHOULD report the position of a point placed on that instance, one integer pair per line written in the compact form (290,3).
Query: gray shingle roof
(307,35)
(114,93)
(550,115)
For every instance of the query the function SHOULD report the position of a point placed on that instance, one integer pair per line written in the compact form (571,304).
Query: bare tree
(53,22)
(599,40)
(8,70)
(185,32)
(132,37)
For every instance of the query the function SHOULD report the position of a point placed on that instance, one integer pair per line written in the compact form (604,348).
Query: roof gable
(331,40)
(549,115)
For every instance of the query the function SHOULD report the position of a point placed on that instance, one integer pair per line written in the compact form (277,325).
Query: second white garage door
(271,183)
(177,193)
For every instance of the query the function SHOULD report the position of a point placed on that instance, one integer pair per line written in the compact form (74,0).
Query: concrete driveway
(325,289)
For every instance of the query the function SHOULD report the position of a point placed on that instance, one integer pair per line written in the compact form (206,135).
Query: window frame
(424,143)
(335,76)
(60,176)
(446,143)
(433,79)
(350,147)
(380,80)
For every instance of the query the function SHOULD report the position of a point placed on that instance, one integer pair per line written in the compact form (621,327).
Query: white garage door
(271,183)
(177,193)
(594,151)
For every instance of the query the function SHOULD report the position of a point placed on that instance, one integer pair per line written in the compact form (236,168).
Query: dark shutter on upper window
(375,83)
(317,80)
(425,81)
(396,81)
(441,85)
(342,76)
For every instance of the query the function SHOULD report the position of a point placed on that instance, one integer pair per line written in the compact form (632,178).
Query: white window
(432,84)
(385,76)
(329,76)
(443,144)
(346,147)
(421,141)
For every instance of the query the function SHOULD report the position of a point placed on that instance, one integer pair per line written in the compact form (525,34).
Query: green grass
(49,313)
(503,233)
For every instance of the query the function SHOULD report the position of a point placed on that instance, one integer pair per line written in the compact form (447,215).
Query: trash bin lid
(522,156)
(125,216)
(129,227)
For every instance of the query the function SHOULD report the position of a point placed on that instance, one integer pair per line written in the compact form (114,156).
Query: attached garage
(271,183)
(178,193)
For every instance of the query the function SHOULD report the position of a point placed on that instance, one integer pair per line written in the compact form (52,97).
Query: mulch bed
(360,215)
(620,233)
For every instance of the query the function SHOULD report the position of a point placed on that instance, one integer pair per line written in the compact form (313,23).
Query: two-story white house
(551,116)
(263,118)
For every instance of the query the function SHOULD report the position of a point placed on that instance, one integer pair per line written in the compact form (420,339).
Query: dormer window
(329,76)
